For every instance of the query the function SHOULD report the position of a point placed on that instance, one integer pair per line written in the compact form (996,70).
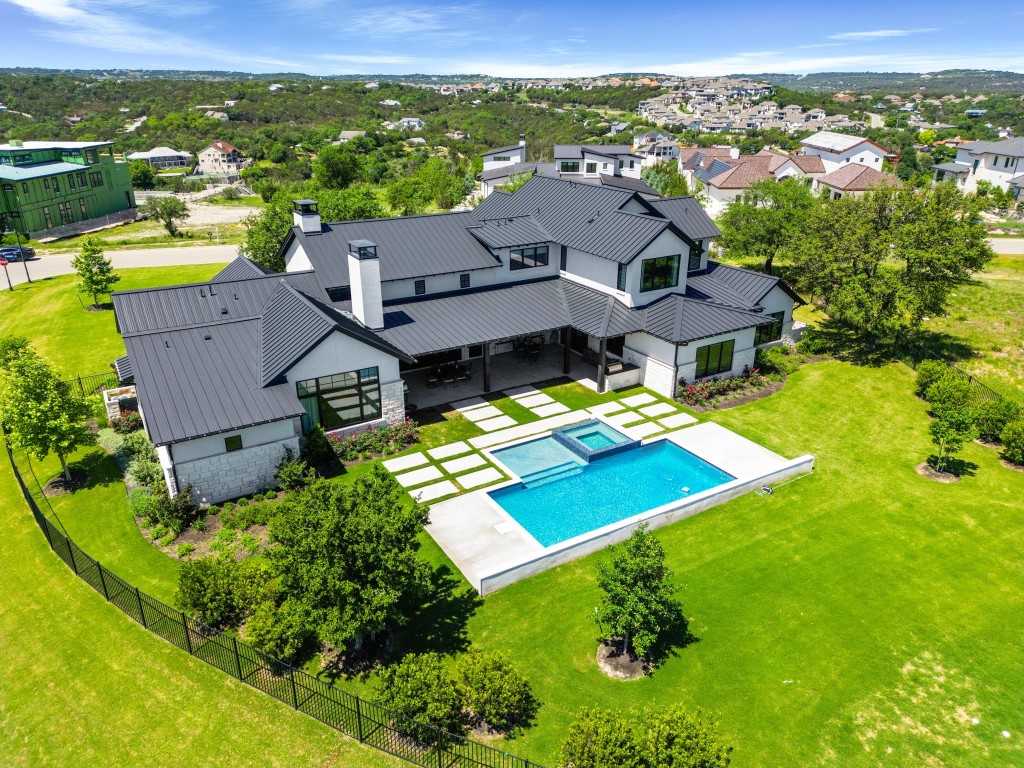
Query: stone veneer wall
(655,375)
(744,358)
(230,475)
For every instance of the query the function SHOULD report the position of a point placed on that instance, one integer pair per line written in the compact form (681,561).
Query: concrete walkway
(60,263)
(1009,245)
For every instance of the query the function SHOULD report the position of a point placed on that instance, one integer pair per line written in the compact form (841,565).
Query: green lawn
(48,312)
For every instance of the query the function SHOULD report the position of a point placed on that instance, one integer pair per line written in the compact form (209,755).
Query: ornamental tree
(142,174)
(350,556)
(420,688)
(43,414)
(169,210)
(638,604)
(95,272)
(951,429)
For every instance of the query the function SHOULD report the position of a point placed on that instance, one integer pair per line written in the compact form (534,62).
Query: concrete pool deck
(492,550)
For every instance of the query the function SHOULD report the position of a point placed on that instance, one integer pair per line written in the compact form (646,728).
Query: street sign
(3,262)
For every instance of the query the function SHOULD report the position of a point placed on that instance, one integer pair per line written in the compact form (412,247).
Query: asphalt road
(60,263)
(1010,245)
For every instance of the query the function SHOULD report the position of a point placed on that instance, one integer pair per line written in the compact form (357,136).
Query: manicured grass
(983,330)
(861,606)
(74,341)
(84,685)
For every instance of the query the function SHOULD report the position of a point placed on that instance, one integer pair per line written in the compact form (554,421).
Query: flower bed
(128,421)
(707,393)
(376,442)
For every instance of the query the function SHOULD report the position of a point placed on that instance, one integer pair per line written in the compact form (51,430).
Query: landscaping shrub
(249,514)
(176,513)
(145,472)
(127,422)
(206,590)
(278,630)
(812,343)
(291,472)
(493,690)
(950,391)
(928,373)
(135,445)
(140,501)
(1012,439)
(316,448)
(230,193)
(184,550)
(775,360)
(706,391)
(419,688)
(374,441)
(992,417)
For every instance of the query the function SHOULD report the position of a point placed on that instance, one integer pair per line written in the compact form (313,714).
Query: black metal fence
(370,723)
(95,382)
(911,353)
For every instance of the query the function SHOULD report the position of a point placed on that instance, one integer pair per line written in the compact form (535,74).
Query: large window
(66,216)
(773,332)
(662,272)
(96,179)
(714,358)
(524,258)
(570,167)
(620,279)
(591,167)
(342,399)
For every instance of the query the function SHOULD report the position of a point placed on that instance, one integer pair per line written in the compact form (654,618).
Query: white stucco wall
(295,258)
(212,445)
(991,168)
(665,244)
(778,300)
(514,155)
(339,353)
(864,154)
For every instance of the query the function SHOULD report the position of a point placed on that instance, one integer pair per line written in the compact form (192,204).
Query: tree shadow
(99,467)
(674,638)
(945,345)
(846,345)
(440,623)
(956,466)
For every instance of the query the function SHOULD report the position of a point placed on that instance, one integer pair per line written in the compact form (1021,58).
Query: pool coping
(522,555)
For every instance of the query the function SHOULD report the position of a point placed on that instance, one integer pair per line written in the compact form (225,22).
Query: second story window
(658,273)
(525,258)
(570,167)
(591,167)
(620,280)
(695,253)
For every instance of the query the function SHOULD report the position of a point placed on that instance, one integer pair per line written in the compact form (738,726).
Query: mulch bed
(616,664)
(738,398)
(59,485)
(926,470)
(1011,465)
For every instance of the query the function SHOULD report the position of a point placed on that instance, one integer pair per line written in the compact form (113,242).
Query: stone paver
(476,415)
(500,422)
(525,430)
(605,408)
(507,527)
(482,477)
(417,476)
(523,391)
(677,420)
(455,466)
(532,401)
(618,419)
(658,409)
(550,409)
(469,404)
(446,451)
(641,399)
(641,431)
(435,491)
(405,462)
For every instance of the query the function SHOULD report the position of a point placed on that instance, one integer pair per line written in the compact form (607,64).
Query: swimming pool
(563,495)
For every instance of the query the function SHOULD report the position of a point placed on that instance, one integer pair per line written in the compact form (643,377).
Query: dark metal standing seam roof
(202,381)
(599,314)
(156,309)
(687,214)
(240,269)
(752,286)
(123,369)
(628,182)
(575,151)
(707,288)
(494,151)
(617,236)
(289,327)
(408,247)
(504,233)
(678,319)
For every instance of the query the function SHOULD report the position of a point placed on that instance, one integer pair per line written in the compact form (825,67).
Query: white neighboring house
(659,152)
(163,157)
(390,103)
(854,180)
(215,115)
(405,124)
(221,158)
(502,157)
(839,149)
(344,137)
(275,87)
(1000,163)
(593,160)
(228,372)
(647,138)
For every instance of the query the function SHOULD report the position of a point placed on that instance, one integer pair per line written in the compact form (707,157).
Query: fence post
(142,611)
(71,554)
(295,692)
(188,639)
(238,658)
(359,718)
(440,750)
(103,582)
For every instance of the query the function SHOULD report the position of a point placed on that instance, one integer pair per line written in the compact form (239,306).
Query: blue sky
(542,38)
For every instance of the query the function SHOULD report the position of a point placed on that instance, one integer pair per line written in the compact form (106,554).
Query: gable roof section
(740,176)
(712,169)
(408,247)
(678,319)
(687,214)
(239,269)
(808,163)
(750,285)
(289,327)
(597,313)
(857,178)
(1010,147)
(628,182)
(575,151)
(503,233)
(501,149)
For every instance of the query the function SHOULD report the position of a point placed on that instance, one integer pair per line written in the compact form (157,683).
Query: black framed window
(233,443)
(563,261)
(81,180)
(82,207)
(66,215)
(420,287)
(48,217)
(56,184)
(46,183)
(694,261)
(24,187)
(342,399)
(464,280)
(591,167)
(620,279)
(767,333)
(658,273)
(96,179)
(71,180)
(570,167)
(525,258)
(714,358)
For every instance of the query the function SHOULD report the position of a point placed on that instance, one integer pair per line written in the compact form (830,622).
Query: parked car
(16,252)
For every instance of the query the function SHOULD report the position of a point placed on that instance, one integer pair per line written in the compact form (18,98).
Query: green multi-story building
(56,187)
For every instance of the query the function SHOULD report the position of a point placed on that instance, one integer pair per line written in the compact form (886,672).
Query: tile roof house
(221,158)
(230,371)
(855,179)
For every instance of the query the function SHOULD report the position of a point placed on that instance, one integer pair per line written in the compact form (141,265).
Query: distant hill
(939,83)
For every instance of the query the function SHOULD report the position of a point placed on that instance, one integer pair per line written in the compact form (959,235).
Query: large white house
(617,288)
(503,157)
(839,149)
(221,158)
(163,157)
(1000,163)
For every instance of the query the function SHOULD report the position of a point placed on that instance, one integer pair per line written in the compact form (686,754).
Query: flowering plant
(375,441)
(128,421)
(705,391)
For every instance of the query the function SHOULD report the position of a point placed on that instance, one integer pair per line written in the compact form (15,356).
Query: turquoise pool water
(569,496)
(596,435)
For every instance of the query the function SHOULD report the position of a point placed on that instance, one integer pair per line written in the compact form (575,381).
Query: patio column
(566,350)
(487,366)
(602,364)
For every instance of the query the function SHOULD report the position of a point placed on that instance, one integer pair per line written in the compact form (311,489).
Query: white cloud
(440,24)
(360,59)
(876,34)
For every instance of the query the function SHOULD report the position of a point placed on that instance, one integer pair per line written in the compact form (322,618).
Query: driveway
(60,263)
(1009,245)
